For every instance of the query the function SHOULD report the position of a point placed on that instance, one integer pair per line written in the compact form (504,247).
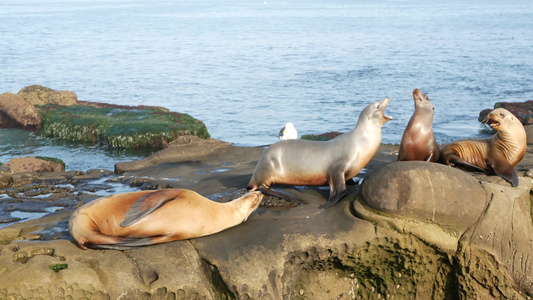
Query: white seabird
(288,132)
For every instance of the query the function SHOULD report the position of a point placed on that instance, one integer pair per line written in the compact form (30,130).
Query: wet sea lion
(418,141)
(144,218)
(498,154)
(305,162)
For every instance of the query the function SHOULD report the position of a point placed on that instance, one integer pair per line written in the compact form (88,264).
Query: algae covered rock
(321,137)
(33,164)
(17,113)
(40,95)
(118,126)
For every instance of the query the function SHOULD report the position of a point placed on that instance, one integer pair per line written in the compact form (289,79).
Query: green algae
(52,159)
(321,137)
(138,127)
(58,267)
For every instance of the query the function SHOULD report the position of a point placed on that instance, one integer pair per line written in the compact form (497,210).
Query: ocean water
(246,67)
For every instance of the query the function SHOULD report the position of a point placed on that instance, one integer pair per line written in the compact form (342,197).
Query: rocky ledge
(411,230)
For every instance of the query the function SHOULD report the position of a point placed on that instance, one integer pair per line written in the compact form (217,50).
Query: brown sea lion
(304,162)
(498,154)
(418,140)
(144,218)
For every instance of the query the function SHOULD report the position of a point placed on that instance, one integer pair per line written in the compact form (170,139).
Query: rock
(411,192)
(17,113)
(32,164)
(40,95)
(117,106)
(118,126)
(137,275)
(184,148)
(447,236)
(5,180)
(487,226)
(321,137)
(494,256)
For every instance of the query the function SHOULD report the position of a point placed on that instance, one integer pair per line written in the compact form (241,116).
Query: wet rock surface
(409,231)
(32,164)
(40,95)
(17,113)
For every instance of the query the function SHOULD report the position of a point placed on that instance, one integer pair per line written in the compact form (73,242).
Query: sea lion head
(250,202)
(501,119)
(376,112)
(422,101)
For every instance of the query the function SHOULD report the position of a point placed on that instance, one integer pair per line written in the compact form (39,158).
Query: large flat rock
(415,234)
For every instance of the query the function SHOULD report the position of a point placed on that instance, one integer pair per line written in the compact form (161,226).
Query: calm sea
(245,68)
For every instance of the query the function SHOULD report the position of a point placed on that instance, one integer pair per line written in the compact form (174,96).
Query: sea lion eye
(502,115)
(378,106)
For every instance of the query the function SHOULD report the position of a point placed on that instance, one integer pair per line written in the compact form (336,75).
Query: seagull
(288,132)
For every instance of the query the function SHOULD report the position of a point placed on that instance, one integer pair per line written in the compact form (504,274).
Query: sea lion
(305,162)
(418,141)
(498,154)
(144,218)
(288,132)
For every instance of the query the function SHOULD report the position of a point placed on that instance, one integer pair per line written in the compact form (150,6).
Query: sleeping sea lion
(144,218)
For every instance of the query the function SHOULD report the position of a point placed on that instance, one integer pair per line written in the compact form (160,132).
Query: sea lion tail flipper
(147,204)
(100,241)
(123,243)
(504,169)
(268,191)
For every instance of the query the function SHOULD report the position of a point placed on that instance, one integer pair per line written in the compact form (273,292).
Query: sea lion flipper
(433,156)
(147,204)
(334,199)
(125,243)
(455,160)
(337,187)
(271,192)
(503,168)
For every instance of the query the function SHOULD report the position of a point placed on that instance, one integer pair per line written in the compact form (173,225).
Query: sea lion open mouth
(493,123)
(385,103)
